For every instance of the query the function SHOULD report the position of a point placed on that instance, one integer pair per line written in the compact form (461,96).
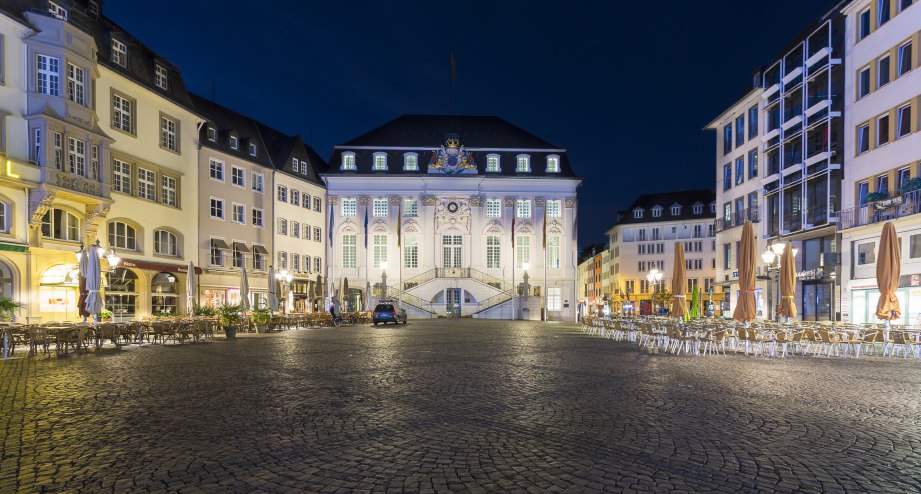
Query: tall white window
(239,214)
(165,243)
(553,164)
(306,263)
(296,230)
(554,208)
(295,197)
(258,182)
(318,264)
(168,191)
(76,84)
(216,170)
(94,161)
(282,226)
(257,218)
(161,77)
(380,249)
(493,251)
(348,161)
(147,184)
(317,234)
(348,251)
(48,75)
(305,200)
(295,165)
(122,113)
(119,52)
(492,163)
(295,262)
(57,11)
(553,252)
(493,208)
(283,260)
(410,162)
(523,163)
(76,156)
(522,250)
(380,161)
(523,208)
(168,130)
(350,207)
(238,176)
(411,251)
(282,193)
(380,207)
(217,208)
(122,236)
(253,151)
(903,124)
(554,298)
(212,134)
(121,177)
(234,142)
(410,207)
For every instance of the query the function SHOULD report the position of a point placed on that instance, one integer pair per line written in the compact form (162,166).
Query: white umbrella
(93,281)
(273,299)
(190,289)
(244,289)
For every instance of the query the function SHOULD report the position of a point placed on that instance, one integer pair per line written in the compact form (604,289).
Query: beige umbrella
(888,268)
(745,307)
(679,283)
(344,291)
(787,306)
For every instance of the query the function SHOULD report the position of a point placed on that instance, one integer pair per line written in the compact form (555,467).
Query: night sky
(625,87)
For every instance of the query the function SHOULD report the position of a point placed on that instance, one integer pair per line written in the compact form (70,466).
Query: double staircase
(503,291)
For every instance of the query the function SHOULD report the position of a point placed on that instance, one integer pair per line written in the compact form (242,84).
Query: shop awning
(240,247)
(219,244)
(260,249)
(13,247)
(157,266)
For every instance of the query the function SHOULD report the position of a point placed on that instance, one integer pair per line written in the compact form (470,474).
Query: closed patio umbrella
(344,291)
(244,289)
(679,283)
(273,298)
(93,282)
(81,282)
(787,306)
(745,307)
(190,289)
(888,268)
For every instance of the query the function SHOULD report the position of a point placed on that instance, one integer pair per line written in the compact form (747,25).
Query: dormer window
(119,52)
(713,207)
(410,162)
(212,134)
(657,211)
(57,11)
(348,161)
(161,77)
(380,162)
(698,208)
(252,149)
(94,7)
(234,142)
(295,165)
(553,164)
(524,164)
(492,163)
(637,213)
(676,210)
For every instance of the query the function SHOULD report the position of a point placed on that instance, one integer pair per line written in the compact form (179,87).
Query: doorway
(817,301)
(453,302)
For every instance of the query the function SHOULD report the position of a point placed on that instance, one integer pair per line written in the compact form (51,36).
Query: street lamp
(524,308)
(284,281)
(654,276)
(772,258)
(383,280)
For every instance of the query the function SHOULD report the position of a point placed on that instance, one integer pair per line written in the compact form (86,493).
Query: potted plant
(105,315)
(204,311)
(261,318)
(229,316)
(8,306)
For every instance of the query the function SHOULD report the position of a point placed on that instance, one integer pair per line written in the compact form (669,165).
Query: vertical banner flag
(513,229)
(545,226)
(400,225)
(366,227)
(330,226)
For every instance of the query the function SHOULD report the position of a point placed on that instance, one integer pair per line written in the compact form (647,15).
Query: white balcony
(792,75)
(817,158)
(821,105)
(793,121)
(818,56)
(792,169)
(770,91)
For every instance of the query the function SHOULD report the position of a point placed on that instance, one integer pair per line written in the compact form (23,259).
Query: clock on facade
(452,207)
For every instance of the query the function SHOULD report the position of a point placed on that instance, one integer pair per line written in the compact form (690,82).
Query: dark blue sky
(625,86)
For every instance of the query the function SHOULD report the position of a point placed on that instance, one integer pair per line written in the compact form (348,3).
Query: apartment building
(882,149)
(643,242)
(738,197)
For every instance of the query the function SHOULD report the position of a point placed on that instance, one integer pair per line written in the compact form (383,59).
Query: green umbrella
(695,304)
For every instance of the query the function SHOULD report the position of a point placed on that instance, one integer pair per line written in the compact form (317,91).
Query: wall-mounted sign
(811,274)
(9,170)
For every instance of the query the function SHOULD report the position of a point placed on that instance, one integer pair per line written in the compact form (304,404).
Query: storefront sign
(811,274)
(9,170)
(13,247)
(156,266)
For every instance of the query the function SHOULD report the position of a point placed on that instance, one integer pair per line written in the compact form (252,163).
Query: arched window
(166,243)
(348,161)
(122,235)
(163,295)
(380,162)
(121,294)
(5,217)
(61,225)
(6,280)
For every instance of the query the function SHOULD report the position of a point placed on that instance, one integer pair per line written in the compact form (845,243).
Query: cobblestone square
(455,405)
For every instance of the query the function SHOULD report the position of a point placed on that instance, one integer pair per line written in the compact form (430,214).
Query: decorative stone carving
(395,200)
(569,202)
(494,226)
(40,200)
(412,226)
(363,200)
(509,202)
(333,201)
(476,201)
(428,200)
(540,202)
(94,217)
(379,226)
(452,212)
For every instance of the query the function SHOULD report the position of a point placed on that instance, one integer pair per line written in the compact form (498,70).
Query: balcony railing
(881,211)
(738,218)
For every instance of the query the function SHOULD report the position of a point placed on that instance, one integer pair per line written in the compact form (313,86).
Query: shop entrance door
(817,301)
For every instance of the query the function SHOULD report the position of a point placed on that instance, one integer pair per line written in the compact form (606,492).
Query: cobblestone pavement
(468,405)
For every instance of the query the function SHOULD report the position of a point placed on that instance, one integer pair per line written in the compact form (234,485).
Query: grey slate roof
(685,198)
(422,133)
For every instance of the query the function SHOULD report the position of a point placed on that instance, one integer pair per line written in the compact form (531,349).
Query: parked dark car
(387,312)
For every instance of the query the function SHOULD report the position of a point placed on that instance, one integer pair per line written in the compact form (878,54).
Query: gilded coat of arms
(452,158)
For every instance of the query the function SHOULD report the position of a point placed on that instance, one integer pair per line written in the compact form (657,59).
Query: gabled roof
(684,198)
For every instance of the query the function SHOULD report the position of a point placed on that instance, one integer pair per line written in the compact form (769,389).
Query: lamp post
(772,258)
(383,280)
(654,276)
(284,282)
